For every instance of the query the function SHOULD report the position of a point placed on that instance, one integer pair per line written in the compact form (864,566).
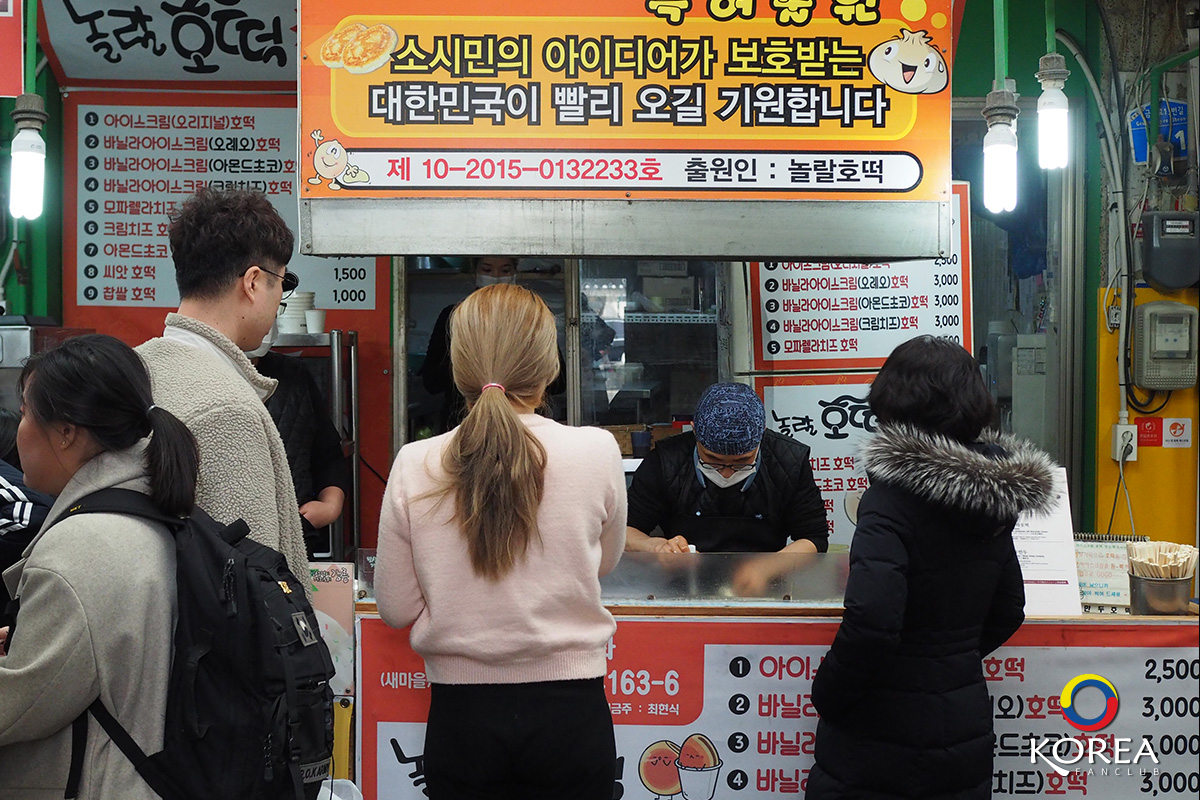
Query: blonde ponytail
(502,337)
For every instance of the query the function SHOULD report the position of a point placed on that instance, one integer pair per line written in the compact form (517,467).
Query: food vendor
(729,485)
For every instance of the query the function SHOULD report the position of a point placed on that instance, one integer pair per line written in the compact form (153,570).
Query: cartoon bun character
(332,163)
(909,64)
(698,752)
(657,768)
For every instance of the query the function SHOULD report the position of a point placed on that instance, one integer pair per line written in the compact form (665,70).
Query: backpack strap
(141,762)
(293,743)
(116,501)
(121,738)
(10,613)
(78,743)
(123,501)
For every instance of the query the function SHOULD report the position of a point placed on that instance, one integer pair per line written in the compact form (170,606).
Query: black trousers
(522,741)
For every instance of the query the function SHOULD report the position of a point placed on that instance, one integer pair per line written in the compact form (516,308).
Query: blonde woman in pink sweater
(492,541)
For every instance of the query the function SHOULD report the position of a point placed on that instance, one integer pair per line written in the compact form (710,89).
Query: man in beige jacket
(230,250)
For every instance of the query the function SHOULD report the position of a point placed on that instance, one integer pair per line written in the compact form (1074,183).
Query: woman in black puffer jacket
(934,586)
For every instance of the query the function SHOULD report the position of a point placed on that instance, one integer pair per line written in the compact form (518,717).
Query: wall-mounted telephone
(1164,345)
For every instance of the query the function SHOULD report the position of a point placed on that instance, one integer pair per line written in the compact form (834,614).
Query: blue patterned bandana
(729,419)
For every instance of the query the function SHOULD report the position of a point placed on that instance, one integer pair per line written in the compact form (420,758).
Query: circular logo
(1071,713)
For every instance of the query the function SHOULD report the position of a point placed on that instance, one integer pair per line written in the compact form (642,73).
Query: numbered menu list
(772,721)
(754,737)
(137,165)
(853,315)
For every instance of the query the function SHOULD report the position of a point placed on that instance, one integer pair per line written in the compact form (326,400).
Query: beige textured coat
(97,615)
(243,466)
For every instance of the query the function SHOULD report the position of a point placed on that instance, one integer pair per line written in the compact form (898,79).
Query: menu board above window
(137,158)
(845,315)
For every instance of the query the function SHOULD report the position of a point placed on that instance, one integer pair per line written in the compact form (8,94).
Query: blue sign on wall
(1172,124)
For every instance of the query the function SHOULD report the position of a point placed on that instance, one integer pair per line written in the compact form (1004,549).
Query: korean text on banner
(627,99)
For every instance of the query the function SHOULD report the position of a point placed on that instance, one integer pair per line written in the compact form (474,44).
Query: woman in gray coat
(96,591)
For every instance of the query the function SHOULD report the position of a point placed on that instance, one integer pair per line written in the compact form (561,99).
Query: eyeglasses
(737,470)
(290,282)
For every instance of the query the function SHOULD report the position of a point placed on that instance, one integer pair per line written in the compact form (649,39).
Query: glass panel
(794,580)
(648,339)
(435,285)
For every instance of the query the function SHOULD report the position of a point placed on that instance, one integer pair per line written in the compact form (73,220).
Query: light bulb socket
(1052,71)
(1001,107)
(29,112)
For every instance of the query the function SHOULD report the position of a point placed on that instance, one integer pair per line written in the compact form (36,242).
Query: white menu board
(840,316)
(829,413)
(136,164)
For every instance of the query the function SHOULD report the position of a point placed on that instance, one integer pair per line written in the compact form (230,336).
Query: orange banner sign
(762,99)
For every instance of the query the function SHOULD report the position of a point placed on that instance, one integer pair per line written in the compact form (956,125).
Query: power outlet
(1124,436)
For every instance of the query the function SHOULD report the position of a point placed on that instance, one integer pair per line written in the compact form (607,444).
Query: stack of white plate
(292,318)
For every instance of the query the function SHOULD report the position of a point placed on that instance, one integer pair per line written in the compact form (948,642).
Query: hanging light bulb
(1053,126)
(27,175)
(1000,168)
(1000,149)
(1053,123)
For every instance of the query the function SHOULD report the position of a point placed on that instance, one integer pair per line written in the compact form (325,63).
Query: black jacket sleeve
(876,596)
(435,370)
(559,385)
(806,510)
(327,460)
(649,506)
(22,513)
(1007,611)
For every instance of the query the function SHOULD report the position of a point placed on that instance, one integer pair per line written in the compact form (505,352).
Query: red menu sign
(721,709)
(12,44)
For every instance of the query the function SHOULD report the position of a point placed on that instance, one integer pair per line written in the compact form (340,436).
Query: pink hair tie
(487,386)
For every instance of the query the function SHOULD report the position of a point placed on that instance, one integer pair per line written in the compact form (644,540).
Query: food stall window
(647,339)
(435,284)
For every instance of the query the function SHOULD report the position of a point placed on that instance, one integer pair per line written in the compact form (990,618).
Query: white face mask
(265,344)
(719,480)
(491,280)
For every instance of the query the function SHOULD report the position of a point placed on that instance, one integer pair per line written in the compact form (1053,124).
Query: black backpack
(249,707)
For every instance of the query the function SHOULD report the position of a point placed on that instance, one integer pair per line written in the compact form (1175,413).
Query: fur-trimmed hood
(999,476)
